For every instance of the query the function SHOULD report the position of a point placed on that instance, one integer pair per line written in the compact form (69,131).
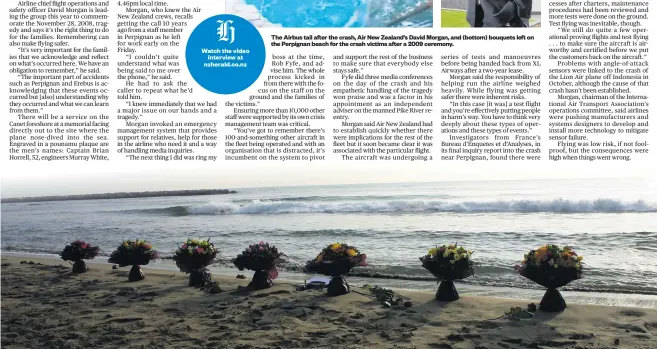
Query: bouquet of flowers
(193,257)
(195,254)
(77,251)
(261,258)
(551,266)
(448,263)
(336,260)
(134,253)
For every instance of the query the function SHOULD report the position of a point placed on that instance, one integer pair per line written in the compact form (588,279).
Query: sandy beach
(44,305)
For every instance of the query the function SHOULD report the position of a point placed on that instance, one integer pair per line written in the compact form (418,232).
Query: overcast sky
(37,179)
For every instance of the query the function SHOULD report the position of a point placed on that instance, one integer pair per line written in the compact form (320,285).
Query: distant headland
(123,195)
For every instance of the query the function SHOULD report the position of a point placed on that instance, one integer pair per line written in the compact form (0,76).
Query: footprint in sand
(630,328)
(124,320)
(581,336)
(651,325)
(487,325)
(440,346)
(632,313)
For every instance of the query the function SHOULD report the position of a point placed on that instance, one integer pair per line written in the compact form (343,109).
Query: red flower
(362,260)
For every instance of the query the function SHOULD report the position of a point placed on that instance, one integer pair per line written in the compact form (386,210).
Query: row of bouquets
(550,266)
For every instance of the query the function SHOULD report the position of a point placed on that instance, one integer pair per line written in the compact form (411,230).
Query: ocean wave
(406,206)
(350,198)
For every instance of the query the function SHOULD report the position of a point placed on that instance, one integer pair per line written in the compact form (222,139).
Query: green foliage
(518,313)
(387,297)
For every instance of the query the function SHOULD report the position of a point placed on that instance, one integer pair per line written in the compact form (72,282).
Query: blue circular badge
(225,54)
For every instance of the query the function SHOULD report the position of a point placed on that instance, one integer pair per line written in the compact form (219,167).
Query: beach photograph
(535,263)
(334,13)
(490,14)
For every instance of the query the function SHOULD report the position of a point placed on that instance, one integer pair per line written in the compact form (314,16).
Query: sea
(611,222)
